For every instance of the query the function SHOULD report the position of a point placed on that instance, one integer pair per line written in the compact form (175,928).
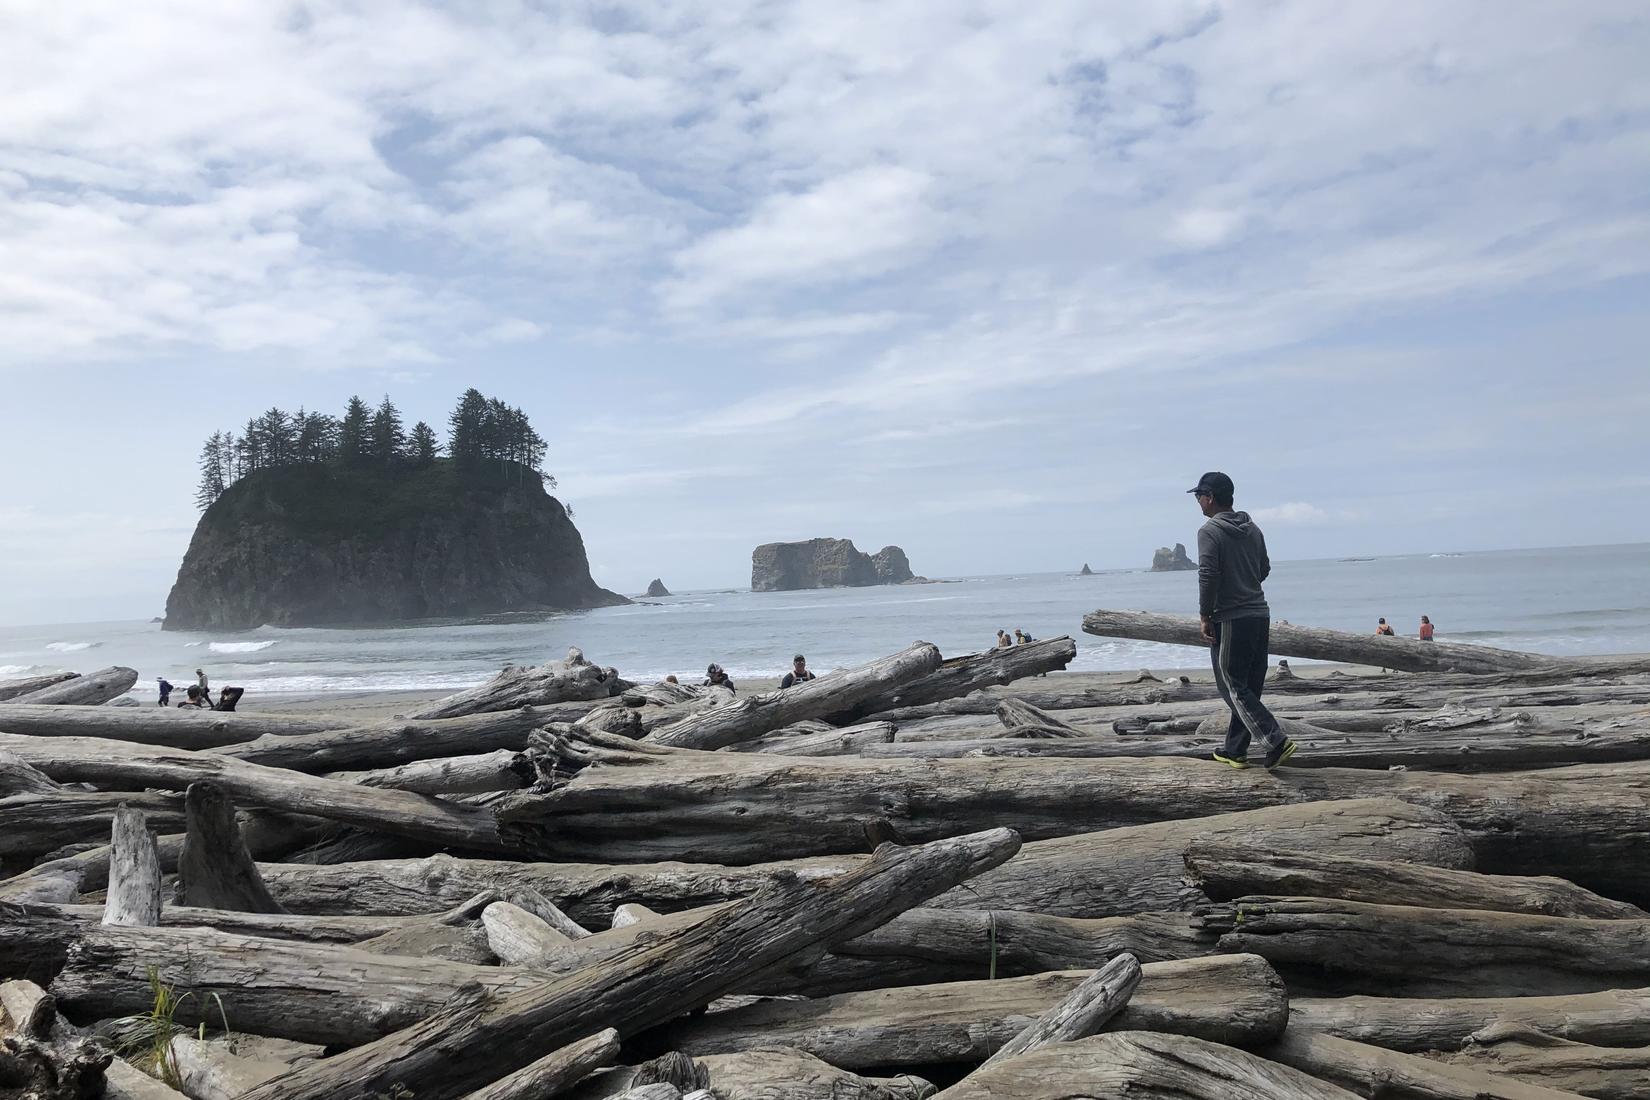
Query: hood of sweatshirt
(1233,524)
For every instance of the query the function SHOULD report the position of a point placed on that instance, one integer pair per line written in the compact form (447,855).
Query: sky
(991,281)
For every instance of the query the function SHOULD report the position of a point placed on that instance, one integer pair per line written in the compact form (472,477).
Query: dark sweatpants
(1239,657)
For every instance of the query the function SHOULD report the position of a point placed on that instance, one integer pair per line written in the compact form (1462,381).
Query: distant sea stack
(657,588)
(825,563)
(333,545)
(1087,572)
(1168,561)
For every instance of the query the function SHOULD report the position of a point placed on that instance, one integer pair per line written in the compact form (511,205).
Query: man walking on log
(1231,564)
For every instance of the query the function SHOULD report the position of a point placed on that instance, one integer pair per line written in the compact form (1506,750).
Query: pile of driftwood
(898,880)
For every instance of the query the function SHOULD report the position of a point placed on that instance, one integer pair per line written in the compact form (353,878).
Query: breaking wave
(240,647)
(71,647)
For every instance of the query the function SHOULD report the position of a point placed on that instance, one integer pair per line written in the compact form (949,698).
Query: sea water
(1566,601)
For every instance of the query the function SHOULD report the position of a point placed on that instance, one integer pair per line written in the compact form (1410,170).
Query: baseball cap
(1215,483)
(798,657)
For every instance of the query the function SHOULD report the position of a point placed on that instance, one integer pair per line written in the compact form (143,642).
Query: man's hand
(1208,626)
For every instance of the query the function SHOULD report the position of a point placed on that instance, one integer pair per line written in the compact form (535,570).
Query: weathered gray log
(1084,1011)
(784,1074)
(819,739)
(1119,871)
(399,813)
(632,914)
(34,824)
(1227,998)
(1371,1071)
(11,689)
(306,927)
(208,1073)
(32,1070)
(1225,873)
(1428,952)
(18,776)
(1018,714)
(556,1071)
(1605,1073)
(184,728)
(215,871)
(122,1081)
(573,679)
(1288,640)
(734,808)
(518,937)
(92,689)
(751,716)
(468,1044)
(134,872)
(401,741)
(1614,1018)
(28,1009)
(962,675)
(1138,1065)
(456,935)
(499,770)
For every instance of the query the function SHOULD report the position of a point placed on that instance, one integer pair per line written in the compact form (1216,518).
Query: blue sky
(990,281)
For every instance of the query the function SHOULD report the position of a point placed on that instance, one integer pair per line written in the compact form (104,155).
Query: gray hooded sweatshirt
(1231,563)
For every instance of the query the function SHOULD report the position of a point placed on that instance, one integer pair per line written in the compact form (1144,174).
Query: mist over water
(1562,602)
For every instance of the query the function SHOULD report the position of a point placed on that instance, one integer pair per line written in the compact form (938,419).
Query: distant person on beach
(200,682)
(165,690)
(1003,640)
(1426,629)
(715,676)
(1384,629)
(193,698)
(1236,620)
(671,679)
(1019,636)
(798,674)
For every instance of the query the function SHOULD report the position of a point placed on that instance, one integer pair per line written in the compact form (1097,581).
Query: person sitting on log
(228,697)
(1003,640)
(1236,620)
(798,674)
(716,676)
(1426,629)
(1384,629)
(193,698)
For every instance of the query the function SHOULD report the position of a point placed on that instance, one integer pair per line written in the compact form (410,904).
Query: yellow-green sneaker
(1232,761)
(1279,754)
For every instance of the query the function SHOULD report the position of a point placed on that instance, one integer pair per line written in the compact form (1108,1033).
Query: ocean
(1565,601)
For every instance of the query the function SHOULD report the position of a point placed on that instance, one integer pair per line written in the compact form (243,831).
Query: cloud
(1294,513)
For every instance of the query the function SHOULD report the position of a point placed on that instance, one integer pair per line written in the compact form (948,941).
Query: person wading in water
(1236,621)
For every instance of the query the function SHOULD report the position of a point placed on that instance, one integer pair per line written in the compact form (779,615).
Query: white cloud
(1296,512)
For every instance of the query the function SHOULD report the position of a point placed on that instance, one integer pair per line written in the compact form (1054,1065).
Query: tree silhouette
(353,441)
(214,479)
(388,437)
(422,446)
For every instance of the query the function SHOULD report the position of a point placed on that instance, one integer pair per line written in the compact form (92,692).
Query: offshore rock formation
(657,588)
(1167,561)
(331,546)
(825,563)
(1086,571)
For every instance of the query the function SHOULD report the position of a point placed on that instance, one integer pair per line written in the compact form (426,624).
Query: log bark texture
(1142,1066)
(556,1071)
(1226,998)
(401,741)
(1371,1071)
(1605,1073)
(1084,1011)
(34,824)
(215,871)
(573,679)
(11,689)
(206,1072)
(93,689)
(752,716)
(134,872)
(1614,1018)
(1287,640)
(1224,874)
(819,739)
(466,1045)
(961,675)
(499,770)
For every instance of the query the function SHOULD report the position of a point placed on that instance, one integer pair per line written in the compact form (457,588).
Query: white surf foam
(240,647)
(71,647)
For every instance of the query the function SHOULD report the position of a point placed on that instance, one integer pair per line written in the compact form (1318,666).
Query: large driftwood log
(1287,640)
(573,679)
(1605,1073)
(215,871)
(1119,871)
(1224,873)
(819,739)
(500,770)
(34,824)
(752,716)
(1141,1066)
(11,689)
(469,1044)
(1615,1018)
(305,927)
(1371,1071)
(734,808)
(520,938)
(962,675)
(1227,998)
(1084,1011)
(92,689)
(1436,951)
(18,776)
(122,1081)
(206,1072)
(401,741)
(184,728)
(399,813)
(556,1071)
(134,872)
(784,1074)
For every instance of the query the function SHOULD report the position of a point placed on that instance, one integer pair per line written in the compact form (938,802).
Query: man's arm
(1265,560)
(1208,578)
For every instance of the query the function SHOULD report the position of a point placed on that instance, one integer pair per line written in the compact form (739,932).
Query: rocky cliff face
(825,563)
(325,546)
(1166,560)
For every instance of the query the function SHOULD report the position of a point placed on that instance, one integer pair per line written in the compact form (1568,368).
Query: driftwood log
(499,770)
(1224,874)
(552,1074)
(11,689)
(1227,998)
(1316,643)
(18,776)
(40,823)
(1371,1071)
(752,716)
(1615,1018)
(1084,1011)
(469,1044)
(215,871)
(401,741)
(819,739)
(961,675)
(1605,1073)
(1119,871)
(134,873)
(32,1009)
(92,689)
(1436,951)
(573,679)
(1135,1065)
